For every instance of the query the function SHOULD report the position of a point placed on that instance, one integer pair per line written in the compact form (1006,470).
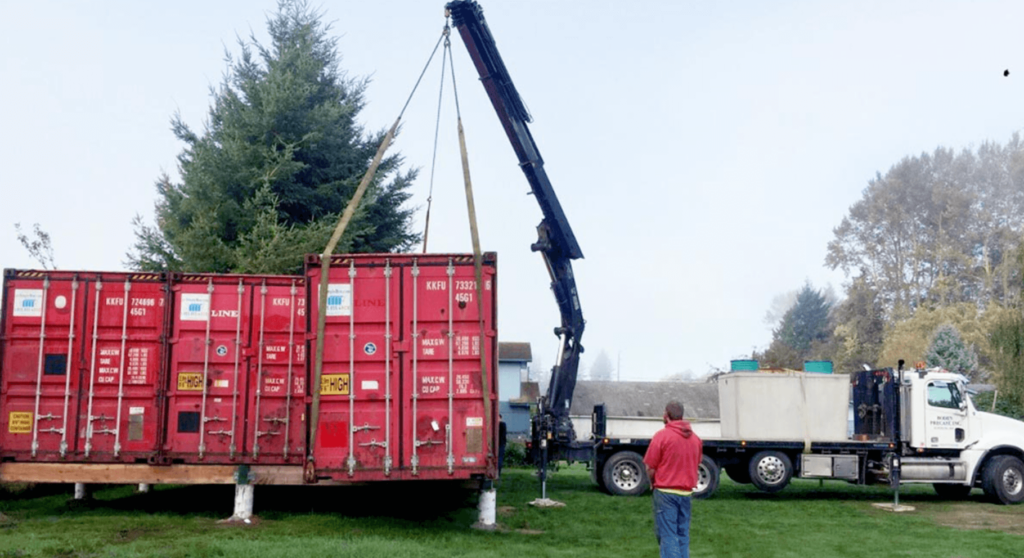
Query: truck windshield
(944,394)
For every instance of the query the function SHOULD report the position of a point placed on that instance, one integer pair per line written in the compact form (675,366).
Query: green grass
(807,519)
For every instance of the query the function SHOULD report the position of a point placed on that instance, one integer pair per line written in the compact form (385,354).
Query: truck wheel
(952,491)
(624,474)
(770,471)
(739,472)
(1003,479)
(707,478)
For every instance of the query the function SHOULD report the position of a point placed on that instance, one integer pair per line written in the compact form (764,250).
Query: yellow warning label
(334,384)
(190,381)
(20,422)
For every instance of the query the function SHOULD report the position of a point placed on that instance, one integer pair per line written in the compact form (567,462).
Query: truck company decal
(19,422)
(195,307)
(28,303)
(334,384)
(339,299)
(190,381)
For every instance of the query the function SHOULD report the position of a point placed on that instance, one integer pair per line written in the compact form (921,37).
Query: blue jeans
(672,524)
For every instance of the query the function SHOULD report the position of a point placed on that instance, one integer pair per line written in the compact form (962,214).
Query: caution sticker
(190,381)
(334,384)
(19,422)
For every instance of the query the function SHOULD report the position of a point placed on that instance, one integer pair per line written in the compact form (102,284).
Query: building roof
(530,391)
(519,352)
(646,399)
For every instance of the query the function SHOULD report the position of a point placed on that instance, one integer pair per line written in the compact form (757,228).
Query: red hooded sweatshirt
(674,454)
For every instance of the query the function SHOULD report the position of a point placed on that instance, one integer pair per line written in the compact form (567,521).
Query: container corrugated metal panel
(401,392)
(794,406)
(82,365)
(238,371)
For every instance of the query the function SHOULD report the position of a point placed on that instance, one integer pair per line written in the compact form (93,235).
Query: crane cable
(477,267)
(325,264)
(437,127)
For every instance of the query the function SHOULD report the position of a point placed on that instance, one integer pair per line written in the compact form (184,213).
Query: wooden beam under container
(101,473)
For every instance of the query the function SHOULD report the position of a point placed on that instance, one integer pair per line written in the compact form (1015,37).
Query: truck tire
(739,472)
(625,475)
(708,475)
(770,470)
(952,491)
(1003,479)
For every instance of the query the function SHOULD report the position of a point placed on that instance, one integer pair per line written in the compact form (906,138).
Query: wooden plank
(100,473)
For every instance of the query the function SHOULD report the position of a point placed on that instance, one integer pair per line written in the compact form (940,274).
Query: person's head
(673,411)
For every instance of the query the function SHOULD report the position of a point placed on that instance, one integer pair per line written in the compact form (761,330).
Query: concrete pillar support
(244,494)
(81,492)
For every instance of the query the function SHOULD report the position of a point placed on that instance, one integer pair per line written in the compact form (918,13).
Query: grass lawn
(807,519)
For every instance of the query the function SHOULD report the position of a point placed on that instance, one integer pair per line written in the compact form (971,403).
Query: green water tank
(819,366)
(743,366)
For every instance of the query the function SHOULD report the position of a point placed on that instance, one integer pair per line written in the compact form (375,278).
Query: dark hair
(674,410)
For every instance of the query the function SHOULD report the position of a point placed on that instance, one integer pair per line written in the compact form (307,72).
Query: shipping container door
(277,373)
(450,435)
(124,341)
(207,403)
(42,356)
(357,428)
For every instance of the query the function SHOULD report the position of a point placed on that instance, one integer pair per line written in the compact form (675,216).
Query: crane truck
(916,426)
(910,426)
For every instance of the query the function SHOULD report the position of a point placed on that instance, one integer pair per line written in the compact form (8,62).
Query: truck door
(946,421)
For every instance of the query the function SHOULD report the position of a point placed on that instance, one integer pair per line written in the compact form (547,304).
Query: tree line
(934,257)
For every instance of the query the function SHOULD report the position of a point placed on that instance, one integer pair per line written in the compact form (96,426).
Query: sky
(703,151)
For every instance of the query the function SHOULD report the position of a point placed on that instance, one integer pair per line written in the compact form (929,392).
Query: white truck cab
(948,441)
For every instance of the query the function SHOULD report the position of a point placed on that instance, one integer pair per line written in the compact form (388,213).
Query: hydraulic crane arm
(556,241)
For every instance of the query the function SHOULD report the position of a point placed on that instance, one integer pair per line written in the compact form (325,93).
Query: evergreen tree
(281,155)
(948,350)
(802,332)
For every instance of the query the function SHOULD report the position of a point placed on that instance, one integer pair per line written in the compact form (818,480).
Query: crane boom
(555,239)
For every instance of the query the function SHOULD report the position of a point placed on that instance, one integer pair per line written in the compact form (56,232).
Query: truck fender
(979,467)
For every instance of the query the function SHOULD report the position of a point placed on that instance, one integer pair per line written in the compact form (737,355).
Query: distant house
(513,370)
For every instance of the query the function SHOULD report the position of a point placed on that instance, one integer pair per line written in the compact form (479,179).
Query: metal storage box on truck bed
(793,406)
(81,365)
(402,391)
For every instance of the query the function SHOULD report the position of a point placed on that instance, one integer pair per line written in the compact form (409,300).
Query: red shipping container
(199,369)
(237,381)
(401,395)
(81,365)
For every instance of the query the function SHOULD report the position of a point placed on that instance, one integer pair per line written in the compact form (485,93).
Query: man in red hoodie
(672,460)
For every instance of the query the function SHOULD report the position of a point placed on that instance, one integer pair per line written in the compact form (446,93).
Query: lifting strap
(477,264)
(325,264)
